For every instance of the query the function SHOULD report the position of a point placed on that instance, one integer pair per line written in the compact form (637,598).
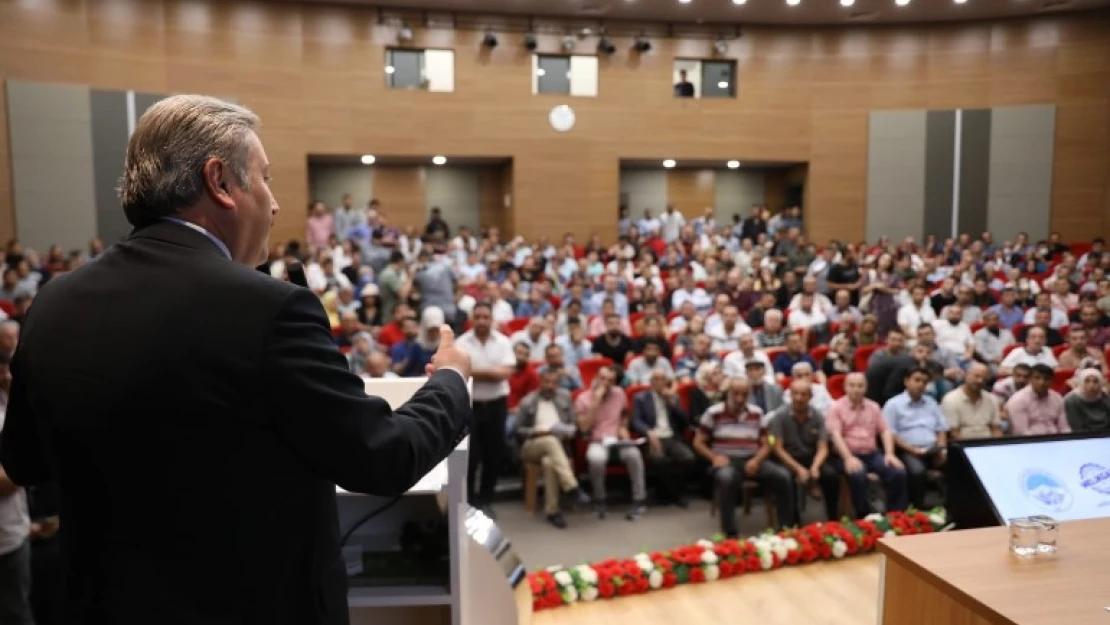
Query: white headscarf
(432,317)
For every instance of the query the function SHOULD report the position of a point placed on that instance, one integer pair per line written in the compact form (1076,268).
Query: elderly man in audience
(950,362)
(920,431)
(545,421)
(1052,336)
(855,424)
(640,369)
(730,436)
(799,442)
(757,316)
(1037,409)
(972,412)
(763,391)
(735,363)
(821,302)
(377,367)
(843,310)
(773,334)
(658,416)
(701,352)
(991,340)
(409,356)
(1079,354)
(808,319)
(726,334)
(602,414)
(819,398)
(360,353)
(569,377)
(1043,302)
(1032,353)
(1088,407)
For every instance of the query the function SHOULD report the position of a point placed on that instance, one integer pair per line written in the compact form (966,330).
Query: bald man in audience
(799,442)
(971,411)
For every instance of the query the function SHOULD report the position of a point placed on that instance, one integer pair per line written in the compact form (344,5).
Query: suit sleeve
(23,441)
(321,409)
(639,406)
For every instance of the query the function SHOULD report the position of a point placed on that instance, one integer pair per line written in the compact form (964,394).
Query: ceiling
(385,160)
(808,12)
(687,163)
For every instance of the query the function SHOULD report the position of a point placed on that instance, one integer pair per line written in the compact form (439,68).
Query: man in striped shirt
(732,437)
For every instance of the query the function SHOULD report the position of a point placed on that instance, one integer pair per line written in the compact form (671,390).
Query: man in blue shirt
(1009,313)
(795,353)
(920,431)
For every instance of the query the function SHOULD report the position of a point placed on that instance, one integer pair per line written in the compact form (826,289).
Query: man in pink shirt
(603,415)
(854,423)
(1037,409)
(319,227)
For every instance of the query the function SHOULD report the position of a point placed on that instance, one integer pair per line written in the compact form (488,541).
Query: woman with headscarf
(710,380)
(1088,406)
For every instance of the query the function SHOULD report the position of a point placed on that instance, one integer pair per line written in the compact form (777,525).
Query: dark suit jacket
(644,417)
(197,416)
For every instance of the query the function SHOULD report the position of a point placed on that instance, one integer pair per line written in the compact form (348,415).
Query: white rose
(708,544)
(589,576)
(889,534)
(641,556)
(874,517)
(645,565)
(589,593)
(839,548)
(708,557)
(554,568)
(780,551)
(937,518)
(712,573)
(762,545)
(570,594)
(655,579)
(791,544)
(563,578)
(766,560)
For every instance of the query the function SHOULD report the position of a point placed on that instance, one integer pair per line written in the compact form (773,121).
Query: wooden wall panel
(774,188)
(691,190)
(316,75)
(492,187)
(400,189)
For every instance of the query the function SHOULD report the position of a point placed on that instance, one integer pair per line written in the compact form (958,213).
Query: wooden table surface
(978,570)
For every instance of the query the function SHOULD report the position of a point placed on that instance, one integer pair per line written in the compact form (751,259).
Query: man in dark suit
(658,416)
(197,415)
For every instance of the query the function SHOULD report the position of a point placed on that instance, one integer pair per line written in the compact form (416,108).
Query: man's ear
(216,181)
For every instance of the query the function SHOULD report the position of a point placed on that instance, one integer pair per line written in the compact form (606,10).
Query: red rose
(642,585)
(626,589)
(775,561)
(605,588)
(669,580)
(825,550)
(752,563)
(697,576)
(631,568)
(792,557)
(536,584)
(725,567)
(809,554)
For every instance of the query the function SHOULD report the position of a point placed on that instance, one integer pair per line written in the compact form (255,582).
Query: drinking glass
(1047,530)
(1023,536)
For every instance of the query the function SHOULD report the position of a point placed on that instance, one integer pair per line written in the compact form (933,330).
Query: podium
(455,567)
(969,577)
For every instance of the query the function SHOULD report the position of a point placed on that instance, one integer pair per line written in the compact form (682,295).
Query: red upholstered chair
(9,309)
(818,354)
(785,382)
(514,325)
(863,354)
(1060,380)
(634,390)
(684,395)
(588,368)
(1059,349)
(1009,348)
(835,385)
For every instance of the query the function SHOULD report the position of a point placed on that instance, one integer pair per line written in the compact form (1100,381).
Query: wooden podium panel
(970,578)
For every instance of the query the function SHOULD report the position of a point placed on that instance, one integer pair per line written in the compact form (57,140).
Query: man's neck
(801,414)
(914,399)
(482,335)
(972,394)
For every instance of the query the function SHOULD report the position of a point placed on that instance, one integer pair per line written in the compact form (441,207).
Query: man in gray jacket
(545,419)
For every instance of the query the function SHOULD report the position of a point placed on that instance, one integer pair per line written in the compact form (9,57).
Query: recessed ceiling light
(847,3)
(684,1)
(669,163)
(793,3)
(734,164)
(739,1)
(901,3)
(368,159)
(960,1)
(439,160)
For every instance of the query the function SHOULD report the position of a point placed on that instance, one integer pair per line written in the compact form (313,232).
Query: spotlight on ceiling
(489,41)
(604,46)
(530,42)
(569,42)
(901,3)
(642,45)
(404,35)
(669,163)
(793,3)
(721,46)
(733,164)
(439,160)
(367,159)
(960,1)
(685,1)
(739,1)
(847,3)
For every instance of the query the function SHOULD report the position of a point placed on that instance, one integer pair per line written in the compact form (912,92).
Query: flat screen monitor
(1066,477)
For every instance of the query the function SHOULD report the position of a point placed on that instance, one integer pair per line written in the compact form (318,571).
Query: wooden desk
(970,578)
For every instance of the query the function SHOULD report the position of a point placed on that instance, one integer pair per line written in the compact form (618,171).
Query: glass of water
(1023,536)
(1047,530)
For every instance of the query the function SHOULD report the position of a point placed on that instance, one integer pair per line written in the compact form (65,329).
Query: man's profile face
(254,208)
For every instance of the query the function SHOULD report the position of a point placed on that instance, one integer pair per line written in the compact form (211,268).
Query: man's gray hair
(164,169)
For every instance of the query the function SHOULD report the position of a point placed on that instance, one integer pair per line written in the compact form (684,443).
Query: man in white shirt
(690,292)
(954,334)
(1043,301)
(917,312)
(670,224)
(820,400)
(492,359)
(807,317)
(735,364)
(534,337)
(991,340)
(1032,353)
(821,302)
(501,309)
(648,225)
(726,335)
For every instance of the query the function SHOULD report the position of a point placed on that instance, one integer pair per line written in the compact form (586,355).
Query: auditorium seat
(1060,379)
(588,368)
(835,385)
(863,355)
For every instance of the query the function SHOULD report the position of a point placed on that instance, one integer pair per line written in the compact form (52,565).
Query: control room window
(430,70)
(693,78)
(574,75)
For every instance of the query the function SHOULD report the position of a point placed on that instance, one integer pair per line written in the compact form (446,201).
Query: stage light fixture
(489,41)
(367,159)
(669,163)
(733,164)
(604,46)
(721,46)
(439,160)
(404,35)
(642,45)
(530,42)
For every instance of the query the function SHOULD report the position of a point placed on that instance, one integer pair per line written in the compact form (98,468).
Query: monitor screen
(1065,479)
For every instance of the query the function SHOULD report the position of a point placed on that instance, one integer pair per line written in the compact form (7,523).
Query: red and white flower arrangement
(707,561)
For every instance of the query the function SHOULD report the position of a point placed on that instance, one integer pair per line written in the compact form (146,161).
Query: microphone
(296,274)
